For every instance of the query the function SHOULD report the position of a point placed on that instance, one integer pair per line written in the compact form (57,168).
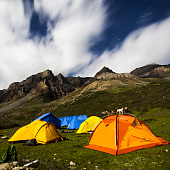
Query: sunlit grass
(150,103)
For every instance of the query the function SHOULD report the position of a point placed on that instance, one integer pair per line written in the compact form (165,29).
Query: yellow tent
(40,130)
(89,124)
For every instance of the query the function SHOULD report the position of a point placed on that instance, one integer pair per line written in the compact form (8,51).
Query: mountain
(50,87)
(44,92)
(152,71)
(44,84)
(103,70)
(106,73)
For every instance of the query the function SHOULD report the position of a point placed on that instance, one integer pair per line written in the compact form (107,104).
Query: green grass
(150,103)
(58,155)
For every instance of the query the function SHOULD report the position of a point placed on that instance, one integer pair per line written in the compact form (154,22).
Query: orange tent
(119,134)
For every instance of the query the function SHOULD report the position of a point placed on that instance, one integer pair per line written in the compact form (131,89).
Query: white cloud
(76,23)
(143,46)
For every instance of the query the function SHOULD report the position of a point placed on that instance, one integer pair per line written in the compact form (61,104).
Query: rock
(103,70)
(152,71)
(44,84)
(72,163)
(32,163)
(19,168)
(96,168)
(160,72)
(6,166)
(4,137)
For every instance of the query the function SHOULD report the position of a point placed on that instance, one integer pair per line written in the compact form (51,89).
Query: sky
(80,37)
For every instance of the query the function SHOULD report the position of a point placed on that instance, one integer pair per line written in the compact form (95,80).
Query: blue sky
(79,37)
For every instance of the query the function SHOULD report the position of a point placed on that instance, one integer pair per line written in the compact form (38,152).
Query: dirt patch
(18,104)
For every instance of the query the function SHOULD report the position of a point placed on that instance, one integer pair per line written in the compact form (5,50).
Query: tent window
(134,123)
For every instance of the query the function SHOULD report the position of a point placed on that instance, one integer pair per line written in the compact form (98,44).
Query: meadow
(149,103)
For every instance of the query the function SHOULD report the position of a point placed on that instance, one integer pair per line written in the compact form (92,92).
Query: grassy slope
(150,103)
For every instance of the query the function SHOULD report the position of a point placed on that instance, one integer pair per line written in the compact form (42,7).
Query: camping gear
(40,130)
(89,124)
(31,142)
(76,121)
(119,134)
(50,118)
(10,154)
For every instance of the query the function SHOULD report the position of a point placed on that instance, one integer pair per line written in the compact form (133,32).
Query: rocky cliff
(103,71)
(52,87)
(152,71)
(106,73)
(44,84)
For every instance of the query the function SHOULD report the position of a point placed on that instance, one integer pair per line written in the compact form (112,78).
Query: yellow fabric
(47,133)
(89,124)
(27,132)
(40,130)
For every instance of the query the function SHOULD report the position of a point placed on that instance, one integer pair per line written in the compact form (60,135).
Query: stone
(72,163)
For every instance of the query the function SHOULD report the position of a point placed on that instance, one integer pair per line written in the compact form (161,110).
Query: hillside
(146,98)
(50,87)
(152,71)
(137,94)
(107,90)
(44,84)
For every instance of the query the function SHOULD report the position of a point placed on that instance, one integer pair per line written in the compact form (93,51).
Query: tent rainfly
(50,118)
(40,130)
(119,134)
(89,124)
(65,121)
(76,121)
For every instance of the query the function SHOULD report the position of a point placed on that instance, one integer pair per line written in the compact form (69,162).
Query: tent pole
(116,135)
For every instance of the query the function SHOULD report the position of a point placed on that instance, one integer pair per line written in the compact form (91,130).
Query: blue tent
(62,120)
(48,117)
(65,121)
(76,121)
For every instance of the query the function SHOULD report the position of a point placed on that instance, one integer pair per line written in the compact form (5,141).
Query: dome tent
(119,134)
(89,124)
(65,121)
(40,130)
(50,118)
(76,121)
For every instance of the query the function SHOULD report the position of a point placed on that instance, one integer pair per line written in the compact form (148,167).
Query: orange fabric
(102,149)
(120,134)
(103,133)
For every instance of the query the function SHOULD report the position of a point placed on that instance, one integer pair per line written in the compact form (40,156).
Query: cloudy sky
(79,37)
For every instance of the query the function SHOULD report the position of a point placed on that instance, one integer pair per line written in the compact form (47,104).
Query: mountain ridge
(152,71)
(51,87)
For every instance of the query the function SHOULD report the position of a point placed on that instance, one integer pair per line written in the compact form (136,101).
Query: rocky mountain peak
(103,70)
(44,84)
(152,71)
(61,79)
(47,73)
(48,86)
